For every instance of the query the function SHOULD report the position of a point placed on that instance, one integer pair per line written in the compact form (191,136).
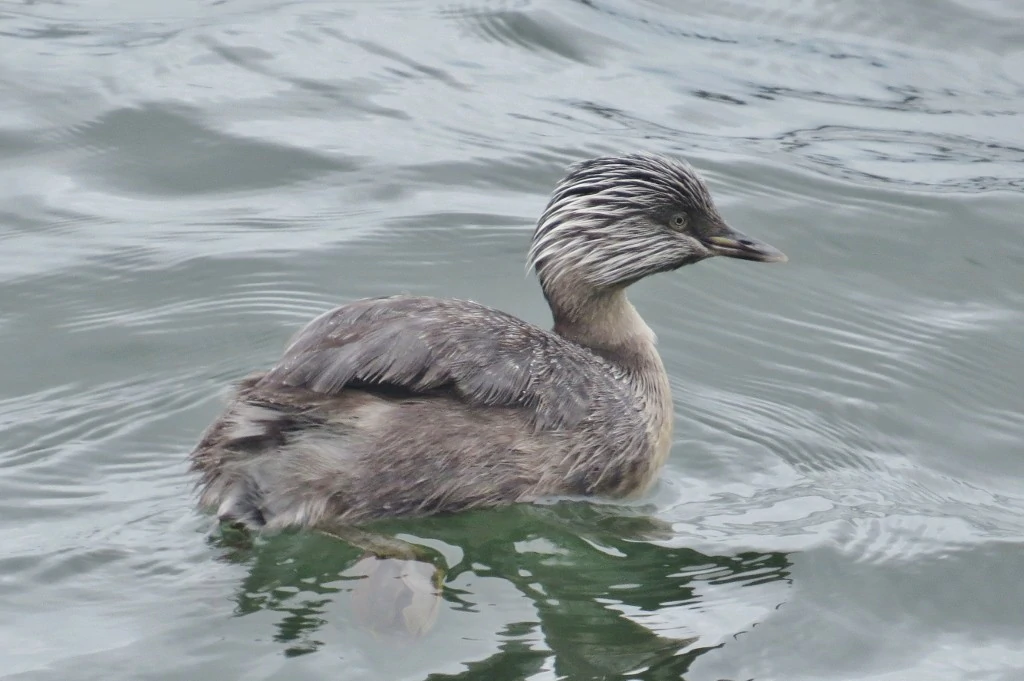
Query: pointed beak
(732,244)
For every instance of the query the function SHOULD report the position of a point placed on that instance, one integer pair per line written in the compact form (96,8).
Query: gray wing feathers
(483,356)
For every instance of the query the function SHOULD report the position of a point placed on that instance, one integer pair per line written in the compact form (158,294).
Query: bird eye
(679,220)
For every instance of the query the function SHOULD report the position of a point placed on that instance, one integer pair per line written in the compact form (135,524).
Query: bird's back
(410,405)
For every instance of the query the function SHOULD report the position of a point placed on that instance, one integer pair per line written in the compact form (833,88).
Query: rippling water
(183,183)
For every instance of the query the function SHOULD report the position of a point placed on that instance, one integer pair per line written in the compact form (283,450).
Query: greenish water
(184,183)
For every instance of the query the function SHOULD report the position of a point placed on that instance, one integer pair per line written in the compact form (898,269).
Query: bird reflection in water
(609,561)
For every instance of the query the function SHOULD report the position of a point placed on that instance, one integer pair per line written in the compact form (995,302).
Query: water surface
(184,183)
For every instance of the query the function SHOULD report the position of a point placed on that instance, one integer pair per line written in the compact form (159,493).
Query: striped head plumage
(615,220)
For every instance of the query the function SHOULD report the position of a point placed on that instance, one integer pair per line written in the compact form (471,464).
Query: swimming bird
(410,405)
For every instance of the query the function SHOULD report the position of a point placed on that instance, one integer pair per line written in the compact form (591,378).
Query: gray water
(184,183)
